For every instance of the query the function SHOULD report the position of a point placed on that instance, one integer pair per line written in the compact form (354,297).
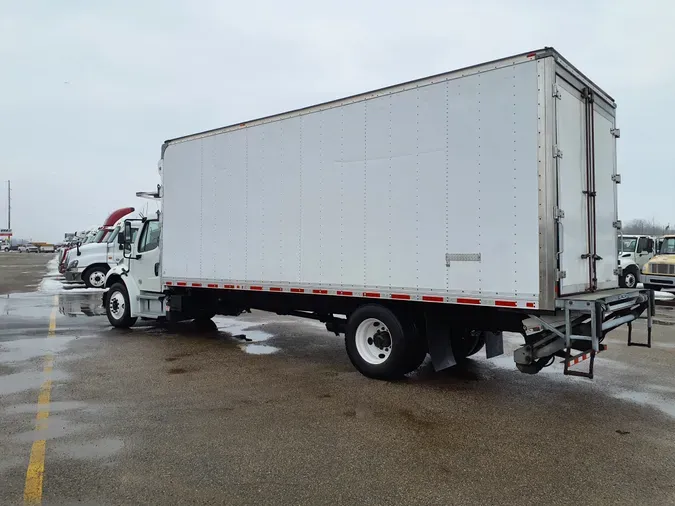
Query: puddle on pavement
(97,449)
(22,381)
(56,427)
(37,347)
(241,329)
(54,407)
(39,305)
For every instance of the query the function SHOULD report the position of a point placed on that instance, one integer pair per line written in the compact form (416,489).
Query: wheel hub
(117,305)
(381,339)
(373,341)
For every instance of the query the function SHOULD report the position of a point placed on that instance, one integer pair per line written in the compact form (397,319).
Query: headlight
(73,264)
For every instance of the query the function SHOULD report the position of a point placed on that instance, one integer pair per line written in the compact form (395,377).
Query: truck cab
(140,294)
(634,252)
(659,272)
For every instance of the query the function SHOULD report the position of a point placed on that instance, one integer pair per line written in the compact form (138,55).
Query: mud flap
(438,339)
(494,344)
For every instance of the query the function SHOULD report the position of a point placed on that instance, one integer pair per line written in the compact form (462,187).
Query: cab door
(145,267)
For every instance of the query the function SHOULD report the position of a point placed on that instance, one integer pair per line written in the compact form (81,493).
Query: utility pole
(9,205)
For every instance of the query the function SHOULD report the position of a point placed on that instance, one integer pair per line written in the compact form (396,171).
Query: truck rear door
(585,149)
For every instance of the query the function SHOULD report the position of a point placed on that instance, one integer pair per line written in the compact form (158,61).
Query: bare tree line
(646,227)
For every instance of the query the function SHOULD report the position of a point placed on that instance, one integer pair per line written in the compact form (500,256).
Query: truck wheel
(117,307)
(466,342)
(629,278)
(94,277)
(380,345)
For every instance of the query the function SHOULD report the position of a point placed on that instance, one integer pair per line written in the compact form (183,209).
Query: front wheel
(382,346)
(94,277)
(117,307)
(629,278)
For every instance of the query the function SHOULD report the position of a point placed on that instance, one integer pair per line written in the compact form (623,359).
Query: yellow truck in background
(659,272)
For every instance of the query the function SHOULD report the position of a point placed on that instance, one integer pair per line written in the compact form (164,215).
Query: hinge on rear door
(618,271)
(617,224)
(558,213)
(560,274)
(557,153)
(616,132)
(616,178)
(556,91)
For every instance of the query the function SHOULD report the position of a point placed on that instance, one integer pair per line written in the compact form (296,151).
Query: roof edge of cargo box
(511,60)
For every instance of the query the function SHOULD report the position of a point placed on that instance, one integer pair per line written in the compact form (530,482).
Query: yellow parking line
(32,492)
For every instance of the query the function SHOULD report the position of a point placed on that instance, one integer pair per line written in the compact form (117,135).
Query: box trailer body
(446,188)
(480,199)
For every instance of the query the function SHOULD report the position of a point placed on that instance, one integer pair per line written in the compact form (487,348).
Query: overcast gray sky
(90,90)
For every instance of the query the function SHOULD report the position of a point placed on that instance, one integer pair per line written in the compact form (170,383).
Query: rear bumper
(655,279)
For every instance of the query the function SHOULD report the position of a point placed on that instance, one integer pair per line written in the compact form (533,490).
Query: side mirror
(121,239)
(127,231)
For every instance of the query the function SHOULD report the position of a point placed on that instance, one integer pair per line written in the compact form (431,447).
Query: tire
(479,343)
(629,278)
(117,307)
(380,345)
(94,277)
(465,343)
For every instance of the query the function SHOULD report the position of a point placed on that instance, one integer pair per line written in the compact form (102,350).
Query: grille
(663,269)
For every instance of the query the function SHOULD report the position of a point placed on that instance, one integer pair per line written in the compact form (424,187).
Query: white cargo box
(470,187)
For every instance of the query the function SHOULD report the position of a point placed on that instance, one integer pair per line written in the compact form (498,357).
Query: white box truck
(427,217)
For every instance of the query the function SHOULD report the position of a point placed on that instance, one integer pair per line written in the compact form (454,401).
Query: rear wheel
(117,307)
(94,277)
(382,346)
(466,342)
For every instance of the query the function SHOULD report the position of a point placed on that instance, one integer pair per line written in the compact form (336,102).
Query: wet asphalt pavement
(208,416)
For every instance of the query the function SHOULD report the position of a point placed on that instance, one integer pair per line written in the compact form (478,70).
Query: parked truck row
(89,256)
(424,218)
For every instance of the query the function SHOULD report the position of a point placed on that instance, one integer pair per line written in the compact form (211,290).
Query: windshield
(668,246)
(99,235)
(113,235)
(627,244)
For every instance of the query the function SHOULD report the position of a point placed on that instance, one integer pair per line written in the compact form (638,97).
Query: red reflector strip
(432,298)
(343,292)
(297,290)
(228,286)
(371,294)
(531,55)
(212,285)
(256,287)
(276,289)
(181,283)
(530,304)
(462,300)
(321,292)
(196,284)
(169,283)
(506,303)
(400,296)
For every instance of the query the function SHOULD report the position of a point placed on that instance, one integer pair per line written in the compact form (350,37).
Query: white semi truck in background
(91,262)
(427,217)
(634,252)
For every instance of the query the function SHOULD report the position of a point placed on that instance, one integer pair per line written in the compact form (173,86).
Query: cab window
(150,237)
